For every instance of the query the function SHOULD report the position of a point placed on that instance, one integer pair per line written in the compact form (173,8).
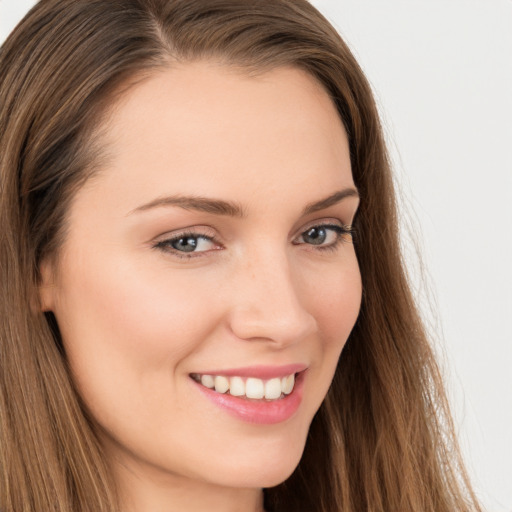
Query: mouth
(248,387)
(258,395)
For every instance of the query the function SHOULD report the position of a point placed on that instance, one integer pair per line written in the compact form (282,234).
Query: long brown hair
(383,439)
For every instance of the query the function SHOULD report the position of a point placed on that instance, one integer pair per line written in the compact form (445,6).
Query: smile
(248,387)
(257,394)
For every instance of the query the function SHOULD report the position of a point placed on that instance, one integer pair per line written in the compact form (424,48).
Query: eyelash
(166,245)
(341,232)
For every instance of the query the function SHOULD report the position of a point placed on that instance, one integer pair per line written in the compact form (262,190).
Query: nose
(269,302)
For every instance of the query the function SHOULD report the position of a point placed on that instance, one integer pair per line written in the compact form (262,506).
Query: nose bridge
(268,303)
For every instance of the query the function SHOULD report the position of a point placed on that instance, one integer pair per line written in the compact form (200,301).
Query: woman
(198,219)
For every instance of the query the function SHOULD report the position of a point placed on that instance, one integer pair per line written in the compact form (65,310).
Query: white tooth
(237,386)
(273,389)
(254,388)
(288,383)
(207,381)
(221,384)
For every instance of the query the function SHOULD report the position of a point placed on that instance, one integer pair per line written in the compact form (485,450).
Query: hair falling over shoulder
(383,440)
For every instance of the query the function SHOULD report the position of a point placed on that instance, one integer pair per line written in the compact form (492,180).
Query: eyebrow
(197,203)
(233,209)
(330,200)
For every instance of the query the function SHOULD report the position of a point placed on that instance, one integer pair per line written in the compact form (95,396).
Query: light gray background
(442,75)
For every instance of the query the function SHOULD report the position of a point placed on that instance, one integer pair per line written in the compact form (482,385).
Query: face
(212,249)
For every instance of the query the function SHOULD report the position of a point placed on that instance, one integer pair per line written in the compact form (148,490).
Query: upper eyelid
(194,231)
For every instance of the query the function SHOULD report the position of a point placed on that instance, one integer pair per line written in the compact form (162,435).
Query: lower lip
(258,411)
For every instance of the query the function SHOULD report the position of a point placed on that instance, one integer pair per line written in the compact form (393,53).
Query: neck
(153,490)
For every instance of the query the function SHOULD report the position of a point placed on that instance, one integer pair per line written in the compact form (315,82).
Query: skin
(137,318)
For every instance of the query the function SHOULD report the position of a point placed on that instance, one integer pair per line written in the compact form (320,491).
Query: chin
(267,466)
(274,478)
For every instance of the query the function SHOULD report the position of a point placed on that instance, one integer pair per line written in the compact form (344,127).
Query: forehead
(200,127)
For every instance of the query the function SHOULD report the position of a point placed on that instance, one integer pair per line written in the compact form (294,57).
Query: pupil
(315,236)
(185,244)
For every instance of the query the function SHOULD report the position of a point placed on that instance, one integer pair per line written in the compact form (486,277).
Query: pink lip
(266,412)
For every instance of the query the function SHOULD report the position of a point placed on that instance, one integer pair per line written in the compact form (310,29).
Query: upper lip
(258,371)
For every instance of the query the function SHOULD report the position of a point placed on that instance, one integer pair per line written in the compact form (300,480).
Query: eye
(324,236)
(187,244)
(317,235)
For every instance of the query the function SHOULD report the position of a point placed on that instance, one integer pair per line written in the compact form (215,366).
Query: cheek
(126,331)
(335,301)
(129,308)
(334,298)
